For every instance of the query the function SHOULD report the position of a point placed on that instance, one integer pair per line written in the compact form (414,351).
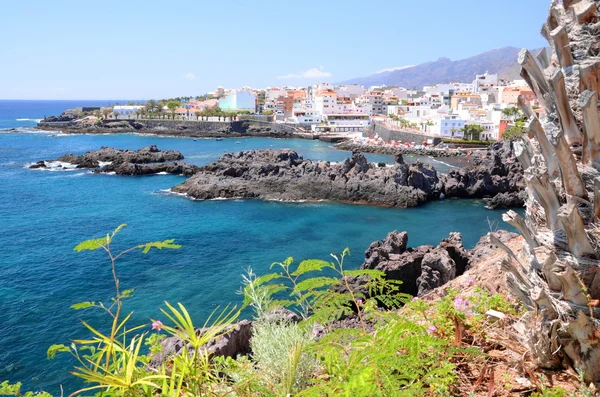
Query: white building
(337,123)
(322,87)
(126,109)
(447,126)
(325,102)
(484,79)
(239,101)
(351,90)
(272,93)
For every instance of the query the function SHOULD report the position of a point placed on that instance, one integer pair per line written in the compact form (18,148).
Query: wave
(56,166)
(442,162)
(24,130)
(36,120)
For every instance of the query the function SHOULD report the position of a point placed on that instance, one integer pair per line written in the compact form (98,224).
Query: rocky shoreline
(175,128)
(284,175)
(393,150)
(423,270)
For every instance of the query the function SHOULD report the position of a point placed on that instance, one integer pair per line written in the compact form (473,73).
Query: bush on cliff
(339,342)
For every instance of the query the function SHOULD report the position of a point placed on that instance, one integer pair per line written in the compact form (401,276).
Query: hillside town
(481,110)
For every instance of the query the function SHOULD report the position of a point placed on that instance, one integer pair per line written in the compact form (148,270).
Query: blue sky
(152,49)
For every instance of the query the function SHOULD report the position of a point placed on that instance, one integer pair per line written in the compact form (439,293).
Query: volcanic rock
(422,268)
(234,341)
(498,172)
(285,175)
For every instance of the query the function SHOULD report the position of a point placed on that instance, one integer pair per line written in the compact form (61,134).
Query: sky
(134,49)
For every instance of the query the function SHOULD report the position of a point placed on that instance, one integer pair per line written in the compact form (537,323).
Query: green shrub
(279,350)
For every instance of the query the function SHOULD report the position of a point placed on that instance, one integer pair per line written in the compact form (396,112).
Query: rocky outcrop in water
(146,161)
(149,154)
(285,175)
(498,172)
(171,167)
(423,268)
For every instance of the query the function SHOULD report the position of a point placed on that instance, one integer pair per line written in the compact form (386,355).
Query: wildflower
(470,282)
(416,298)
(157,325)
(460,302)
(432,329)
(359,302)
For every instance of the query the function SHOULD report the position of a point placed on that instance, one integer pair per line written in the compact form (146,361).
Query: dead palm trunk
(559,284)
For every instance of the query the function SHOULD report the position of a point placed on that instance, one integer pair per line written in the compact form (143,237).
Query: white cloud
(312,73)
(189,76)
(394,68)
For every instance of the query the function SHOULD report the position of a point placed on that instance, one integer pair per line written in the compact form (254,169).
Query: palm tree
(429,123)
(198,115)
(173,105)
(115,115)
(106,112)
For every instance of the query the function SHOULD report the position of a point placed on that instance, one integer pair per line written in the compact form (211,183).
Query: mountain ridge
(501,61)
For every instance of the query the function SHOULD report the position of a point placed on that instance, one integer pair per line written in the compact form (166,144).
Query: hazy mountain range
(502,61)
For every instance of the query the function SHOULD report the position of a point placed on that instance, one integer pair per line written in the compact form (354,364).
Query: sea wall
(394,135)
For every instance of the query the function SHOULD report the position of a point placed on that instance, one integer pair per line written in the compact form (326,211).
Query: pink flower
(157,325)
(432,329)
(460,302)
(359,302)
(416,298)
(470,282)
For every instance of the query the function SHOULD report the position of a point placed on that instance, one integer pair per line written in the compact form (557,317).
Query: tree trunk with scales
(559,283)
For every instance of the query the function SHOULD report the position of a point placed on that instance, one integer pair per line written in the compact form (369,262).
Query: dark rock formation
(62,118)
(38,164)
(420,269)
(398,150)
(498,172)
(437,268)
(234,341)
(171,167)
(197,129)
(149,154)
(284,175)
(507,200)
(146,161)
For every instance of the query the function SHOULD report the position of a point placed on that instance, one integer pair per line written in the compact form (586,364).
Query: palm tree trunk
(559,283)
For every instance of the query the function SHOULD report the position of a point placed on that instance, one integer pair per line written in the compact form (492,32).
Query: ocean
(44,214)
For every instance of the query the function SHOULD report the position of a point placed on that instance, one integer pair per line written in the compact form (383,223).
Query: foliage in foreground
(344,344)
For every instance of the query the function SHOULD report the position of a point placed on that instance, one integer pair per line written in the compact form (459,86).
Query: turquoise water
(45,214)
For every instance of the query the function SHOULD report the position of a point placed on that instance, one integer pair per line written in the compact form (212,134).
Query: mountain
(502,61)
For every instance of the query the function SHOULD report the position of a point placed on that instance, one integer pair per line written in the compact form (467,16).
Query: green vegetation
(173,105)
(345,344)
(472,132)
(516,128)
